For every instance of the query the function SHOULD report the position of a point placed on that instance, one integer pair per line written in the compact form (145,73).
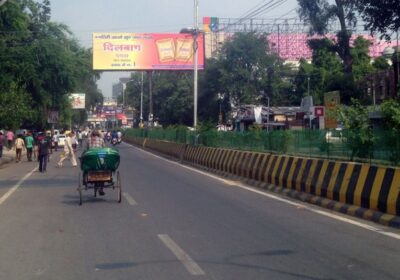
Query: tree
(210,85)
(41,61)
(173,98)
(361,60)
(380,16)
(322,74)
(359,137)
(319,13)
(391,120)
(15,108)
(380,63)
(250,72)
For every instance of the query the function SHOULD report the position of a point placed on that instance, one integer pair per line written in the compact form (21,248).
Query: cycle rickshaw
(99,171)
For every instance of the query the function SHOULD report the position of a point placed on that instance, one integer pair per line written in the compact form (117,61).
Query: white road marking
(14,188)
(184,258)
(238,184)
(129,198)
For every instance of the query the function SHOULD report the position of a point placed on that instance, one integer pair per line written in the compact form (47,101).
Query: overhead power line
(257,10)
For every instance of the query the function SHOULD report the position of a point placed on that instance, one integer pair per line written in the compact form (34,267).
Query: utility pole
(308,93)
(123,94)
(141,102)
(196,62)
(150,77)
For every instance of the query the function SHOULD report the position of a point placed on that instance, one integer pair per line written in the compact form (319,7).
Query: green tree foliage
(41,61)
(361,60)
(18,109)
(380,16)
(173,98)
(391,119)
(250,72)
(359,137)
(380,63)
(319,13)
(323,74)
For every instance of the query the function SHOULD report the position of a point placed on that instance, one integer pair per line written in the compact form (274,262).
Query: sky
(153,16)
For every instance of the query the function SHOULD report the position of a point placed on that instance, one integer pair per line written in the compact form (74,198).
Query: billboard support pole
(141,102)
(150,77)
(196,62)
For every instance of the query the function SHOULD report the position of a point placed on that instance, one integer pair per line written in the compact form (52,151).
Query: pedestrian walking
(74,142)
(1,143)
(35,146)
(43,152)
(48,139)
(55,141)
(29,146)
(19,145)
(68,151)
(10,139)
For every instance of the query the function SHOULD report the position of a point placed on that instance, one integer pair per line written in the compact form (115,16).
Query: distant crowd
(40,144)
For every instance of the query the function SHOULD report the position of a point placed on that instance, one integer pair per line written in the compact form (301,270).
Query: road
(177,223)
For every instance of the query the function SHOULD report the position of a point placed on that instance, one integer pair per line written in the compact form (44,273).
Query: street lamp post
(196,27)
(123,94)
(220,98)
(393,54)
(195,32)
(268,114)
(141,101)
(123,91)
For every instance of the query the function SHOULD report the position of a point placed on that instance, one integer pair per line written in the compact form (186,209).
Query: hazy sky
(157,16)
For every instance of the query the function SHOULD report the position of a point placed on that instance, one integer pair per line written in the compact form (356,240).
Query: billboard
(77,100)
(146,51)
(52,116)
(332,101)
(210,24)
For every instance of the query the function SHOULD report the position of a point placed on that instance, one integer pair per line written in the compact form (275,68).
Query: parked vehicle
(334,136)
(61,140)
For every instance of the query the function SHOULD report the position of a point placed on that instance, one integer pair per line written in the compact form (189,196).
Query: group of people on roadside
(9,136)
(40,148)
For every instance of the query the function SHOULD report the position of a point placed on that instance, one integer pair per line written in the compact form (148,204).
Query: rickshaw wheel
(119,188)
(80,187)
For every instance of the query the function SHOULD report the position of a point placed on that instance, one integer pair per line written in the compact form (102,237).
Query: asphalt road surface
(177,223)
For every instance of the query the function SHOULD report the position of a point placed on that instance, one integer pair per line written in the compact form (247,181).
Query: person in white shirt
(55,141)
(68,151)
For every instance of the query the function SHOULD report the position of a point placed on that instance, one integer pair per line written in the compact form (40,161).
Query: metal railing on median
(379,147)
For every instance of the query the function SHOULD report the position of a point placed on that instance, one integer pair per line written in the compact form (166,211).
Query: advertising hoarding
(146,51)
(52,116)
(77,100)
(331,101)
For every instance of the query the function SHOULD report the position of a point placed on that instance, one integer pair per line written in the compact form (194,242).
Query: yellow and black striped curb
(362,190)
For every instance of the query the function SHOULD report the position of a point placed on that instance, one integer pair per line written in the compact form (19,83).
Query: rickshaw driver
(96,141)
